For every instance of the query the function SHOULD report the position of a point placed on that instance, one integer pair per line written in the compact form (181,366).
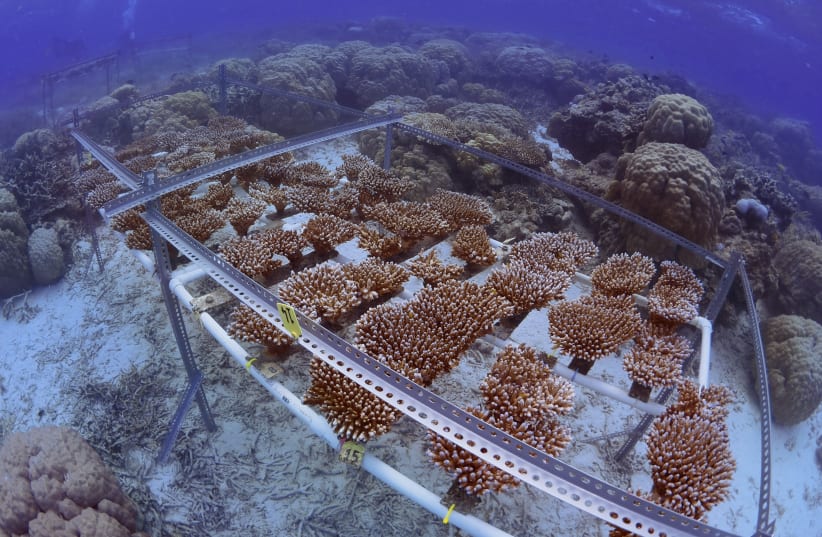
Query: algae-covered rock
(793,345)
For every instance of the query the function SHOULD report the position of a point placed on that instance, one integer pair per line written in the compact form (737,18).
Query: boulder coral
(674,186)
(54,483)
(45,256)
(297,72)
(798,265)
(15,275)
(792,348)
(677,119)
(378,72)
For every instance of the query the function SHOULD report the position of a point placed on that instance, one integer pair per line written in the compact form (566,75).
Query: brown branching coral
(475,476)
(250,256)
(675,296)
(520,385)
(218,195)
(351,410)
(689,451)
(321,292)
(128,220)
(527,288)
(409,220)
(326,231)
(309,199)
(139,238)
(557,251)
(623,274)
(287,243)
(200,224)
(376,185)
(592,327)
(242,213)
(460,209)
(425,336)
(375,278)
(54,483)
(248,325)
(352,165)
(103,193)
(430,269)
(655,361)
(378,244)
(269,194)
(472,245)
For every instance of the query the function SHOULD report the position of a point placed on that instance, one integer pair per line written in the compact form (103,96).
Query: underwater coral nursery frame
(492,445)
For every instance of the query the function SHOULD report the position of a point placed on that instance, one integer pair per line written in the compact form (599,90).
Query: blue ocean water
(766,52)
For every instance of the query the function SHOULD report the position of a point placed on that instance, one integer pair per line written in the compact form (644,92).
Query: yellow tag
(448,514)
(249,362)
(352,453)
(289,317)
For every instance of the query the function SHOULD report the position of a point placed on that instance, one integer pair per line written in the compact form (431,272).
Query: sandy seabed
(95,352)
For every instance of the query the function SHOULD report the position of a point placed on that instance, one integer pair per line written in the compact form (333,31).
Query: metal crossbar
(492,445)
(142,195)
(131,179)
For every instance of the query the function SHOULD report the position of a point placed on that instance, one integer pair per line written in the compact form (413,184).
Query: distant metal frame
(586,492)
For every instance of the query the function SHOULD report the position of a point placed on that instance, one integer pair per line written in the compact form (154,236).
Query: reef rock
(604,119)
(678,119)
(792,348)
(15,275)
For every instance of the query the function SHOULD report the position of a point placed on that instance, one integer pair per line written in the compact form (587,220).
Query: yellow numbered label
(352,453)
(289,317)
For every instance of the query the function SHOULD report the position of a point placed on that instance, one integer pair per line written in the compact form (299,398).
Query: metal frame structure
(551,475)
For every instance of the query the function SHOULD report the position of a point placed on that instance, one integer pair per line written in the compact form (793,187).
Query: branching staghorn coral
(557,251)
(472,245)
(250,256)
(409,220)
(592,327)
(655,361)
(242,213)
(377,243)
(326,231)
(248,325)
(321,292)
(431,270)
(527,288)
(623,274)
(674,298)
(460,209)
(375,277)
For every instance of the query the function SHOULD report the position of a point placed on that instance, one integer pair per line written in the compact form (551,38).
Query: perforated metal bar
(763,526)
(569,189)
(298,97)
(492,445)
(170,184)
(131,179)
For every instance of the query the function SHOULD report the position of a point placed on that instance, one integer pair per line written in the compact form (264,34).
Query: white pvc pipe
(704,351)
(319,426)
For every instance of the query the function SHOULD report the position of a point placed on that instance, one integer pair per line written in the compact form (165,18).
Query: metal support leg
(386,158)
(162,262)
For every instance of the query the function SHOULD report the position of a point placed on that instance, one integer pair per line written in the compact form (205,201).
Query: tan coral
(410,220)
(623,274)
(689,450)
(475,476)
(249,256)
(287,243)
(269,194)
(527,289)
(321,292)
(461,209)
(248,325)
(375,278)
(430,269)
(678,119)
(377,243)
(353,412)
(675,297)
(592,327)
(218,195)
(472,245)
(200,224)
(557,251)
(242,213)
(376,185)
(352,165)
(103,193)
(326,231)
(520,385)
(655,361)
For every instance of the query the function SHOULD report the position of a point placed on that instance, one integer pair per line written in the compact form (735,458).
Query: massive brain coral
(678,119)
(53,483)
(792,347)
(674,186)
